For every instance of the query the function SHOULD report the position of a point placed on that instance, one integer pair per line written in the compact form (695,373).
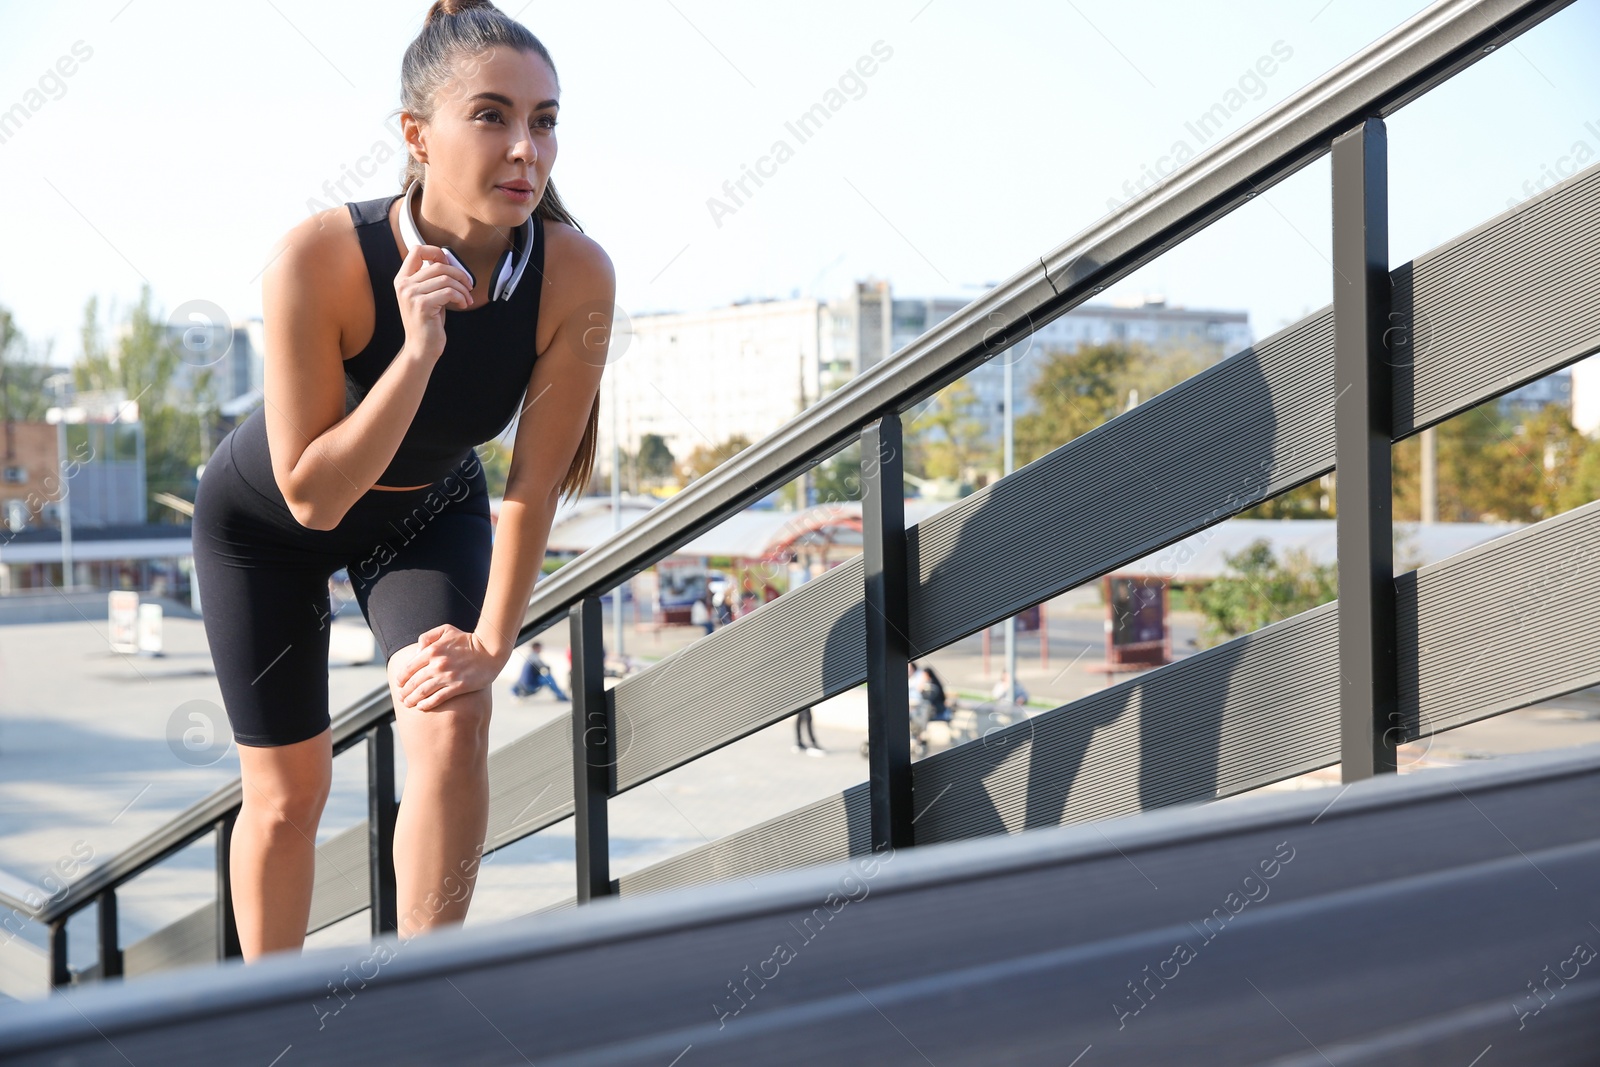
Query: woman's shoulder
(320,255)
(575,263)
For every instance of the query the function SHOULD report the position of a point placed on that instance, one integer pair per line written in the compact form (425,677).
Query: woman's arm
(555,412)
(323,459)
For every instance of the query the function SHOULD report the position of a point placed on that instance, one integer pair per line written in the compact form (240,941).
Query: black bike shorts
(416,558)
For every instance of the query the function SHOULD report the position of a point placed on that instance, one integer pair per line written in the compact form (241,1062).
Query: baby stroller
(921,715)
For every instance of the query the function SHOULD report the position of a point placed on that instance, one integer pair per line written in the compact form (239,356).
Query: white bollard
(150,629)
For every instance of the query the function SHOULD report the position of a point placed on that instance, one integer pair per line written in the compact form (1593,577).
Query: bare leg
(272,862)
(444,814)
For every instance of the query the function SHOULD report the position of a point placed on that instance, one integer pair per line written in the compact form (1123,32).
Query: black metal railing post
(883,545)
(106,920)
(227,928)
(592,769)
(1363,433)
(60,973)
(381,810)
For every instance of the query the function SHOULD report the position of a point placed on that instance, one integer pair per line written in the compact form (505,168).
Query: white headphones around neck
(507,271)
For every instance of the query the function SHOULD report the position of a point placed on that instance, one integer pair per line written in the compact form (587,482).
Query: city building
(232,353)
(1585,395)
(699,378)
(81,473)
(1554,388)
(1148,321)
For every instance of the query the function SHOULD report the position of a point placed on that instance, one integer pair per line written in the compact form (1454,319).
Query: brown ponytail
(453,7)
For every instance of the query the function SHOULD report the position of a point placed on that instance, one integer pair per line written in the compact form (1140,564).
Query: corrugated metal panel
(832,828)
(682,708)
(1501,305)
(1041,520)
(190,940)
(788,653)
(1509,623)
(342,887)
(1254,710)
(1244,429)
(530,783)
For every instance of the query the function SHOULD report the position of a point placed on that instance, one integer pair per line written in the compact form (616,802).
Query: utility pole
(1430,474)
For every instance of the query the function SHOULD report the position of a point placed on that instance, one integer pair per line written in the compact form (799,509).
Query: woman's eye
(544,122)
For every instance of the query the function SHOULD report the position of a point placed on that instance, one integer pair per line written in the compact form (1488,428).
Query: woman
(387,361)
(933,692)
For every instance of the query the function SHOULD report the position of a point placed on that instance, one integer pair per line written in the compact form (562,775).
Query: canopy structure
(755,533)
(1202,556)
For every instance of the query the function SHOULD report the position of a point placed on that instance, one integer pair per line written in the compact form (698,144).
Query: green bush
(1262,589)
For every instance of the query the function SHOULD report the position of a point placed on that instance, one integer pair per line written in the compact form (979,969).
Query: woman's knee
(288,784)
(452,732)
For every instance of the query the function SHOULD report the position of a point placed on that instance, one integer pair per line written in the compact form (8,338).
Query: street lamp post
(1011,620)
(64,507)
(616,515)
(60,414)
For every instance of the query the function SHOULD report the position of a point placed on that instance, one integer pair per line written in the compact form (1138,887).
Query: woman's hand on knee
(449,662)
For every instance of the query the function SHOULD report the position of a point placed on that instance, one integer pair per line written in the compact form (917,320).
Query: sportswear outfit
(416,558)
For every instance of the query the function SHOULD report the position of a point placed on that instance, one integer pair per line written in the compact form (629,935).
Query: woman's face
(493,124)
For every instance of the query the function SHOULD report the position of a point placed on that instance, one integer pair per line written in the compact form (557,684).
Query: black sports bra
(481,377)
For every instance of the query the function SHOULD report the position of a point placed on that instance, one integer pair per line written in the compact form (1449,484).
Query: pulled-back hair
(454,29)
(463,29)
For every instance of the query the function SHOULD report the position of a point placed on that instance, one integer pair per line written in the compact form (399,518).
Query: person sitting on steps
(536,675)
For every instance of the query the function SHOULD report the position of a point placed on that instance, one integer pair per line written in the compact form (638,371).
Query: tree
(143,364)
(22,389)
(1494,466)
(656,462)
(704,459)
(1075,391)
(496,457)
(1263,589)
(1537,462)
(838,477)
(1301,502)
(946,439)
(1583,482)
(1149,373)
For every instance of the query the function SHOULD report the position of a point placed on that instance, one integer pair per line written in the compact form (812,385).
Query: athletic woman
(387,361)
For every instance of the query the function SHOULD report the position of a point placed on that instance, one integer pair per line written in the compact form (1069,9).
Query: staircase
(1414,913)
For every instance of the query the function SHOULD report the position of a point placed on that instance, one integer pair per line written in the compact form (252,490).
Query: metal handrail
(1415,57)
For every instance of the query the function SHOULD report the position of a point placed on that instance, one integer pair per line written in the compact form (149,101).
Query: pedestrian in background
(933,692)
(536,675)
(1000,688)
(802,718)
(699,614)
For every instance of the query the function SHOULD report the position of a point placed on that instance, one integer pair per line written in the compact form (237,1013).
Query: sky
(190,135)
